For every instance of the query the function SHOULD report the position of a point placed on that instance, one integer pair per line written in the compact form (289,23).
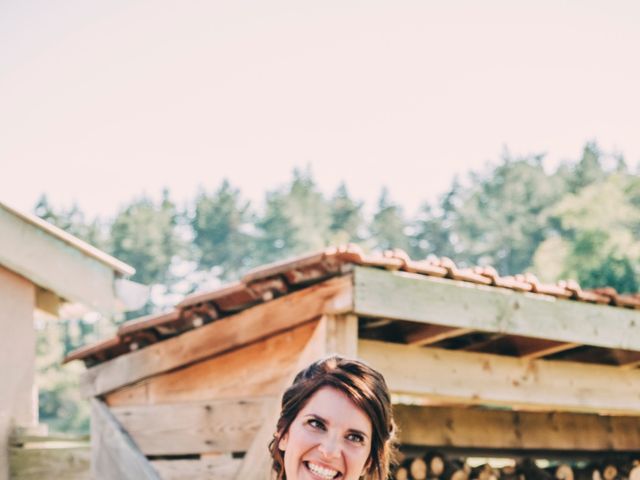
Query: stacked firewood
(437,466)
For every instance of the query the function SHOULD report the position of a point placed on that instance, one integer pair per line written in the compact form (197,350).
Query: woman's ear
(282,443)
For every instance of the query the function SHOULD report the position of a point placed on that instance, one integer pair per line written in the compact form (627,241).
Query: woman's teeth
(321,471)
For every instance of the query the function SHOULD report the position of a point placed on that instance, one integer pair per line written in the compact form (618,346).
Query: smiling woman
(336,423)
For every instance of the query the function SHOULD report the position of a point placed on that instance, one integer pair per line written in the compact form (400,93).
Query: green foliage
(498,219)
(347,221)
(617,271)
(388,225)
(61,406)
(144,235)
(221,231)
(296,219)
(588,170)
(598,227)
(433,232)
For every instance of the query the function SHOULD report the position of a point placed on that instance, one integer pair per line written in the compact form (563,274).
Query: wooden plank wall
(256,370)
(213,467)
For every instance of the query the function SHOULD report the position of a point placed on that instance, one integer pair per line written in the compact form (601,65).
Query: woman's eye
(356,438)
(316,423)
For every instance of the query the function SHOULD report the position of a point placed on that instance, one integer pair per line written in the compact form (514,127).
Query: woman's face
(329,439)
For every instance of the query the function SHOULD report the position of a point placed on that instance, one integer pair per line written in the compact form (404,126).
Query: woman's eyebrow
(317,417)
(326,422)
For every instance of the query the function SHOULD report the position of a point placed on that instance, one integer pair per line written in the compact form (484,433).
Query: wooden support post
(113,453)
(342,334)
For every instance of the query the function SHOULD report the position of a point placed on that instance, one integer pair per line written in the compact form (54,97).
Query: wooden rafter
(430,334)
(623,358)
(521,346)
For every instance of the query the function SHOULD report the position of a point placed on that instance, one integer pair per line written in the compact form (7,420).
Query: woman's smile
(320,471)
(330,438)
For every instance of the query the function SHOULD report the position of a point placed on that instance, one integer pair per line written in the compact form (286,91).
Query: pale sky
(101,101)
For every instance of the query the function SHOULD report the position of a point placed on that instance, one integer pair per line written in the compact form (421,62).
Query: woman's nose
(330,446)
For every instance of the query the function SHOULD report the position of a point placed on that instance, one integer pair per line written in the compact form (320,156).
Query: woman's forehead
(335,407)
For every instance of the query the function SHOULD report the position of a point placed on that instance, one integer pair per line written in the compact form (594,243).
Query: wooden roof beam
(437,301)
(485,379)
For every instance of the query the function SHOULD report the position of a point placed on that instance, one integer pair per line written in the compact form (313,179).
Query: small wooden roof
(270,281)
(59,262)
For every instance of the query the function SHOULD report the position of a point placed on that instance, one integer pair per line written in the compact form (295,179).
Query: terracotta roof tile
(582,295)
(268,288)
(113,345)
(509,282)
(463,274)
(544,288)
(277,279)
(236,290)
(150,321)
(629,301)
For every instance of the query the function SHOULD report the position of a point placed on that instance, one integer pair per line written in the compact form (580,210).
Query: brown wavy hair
(365,387)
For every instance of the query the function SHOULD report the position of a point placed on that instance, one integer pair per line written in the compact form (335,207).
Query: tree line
(580,221)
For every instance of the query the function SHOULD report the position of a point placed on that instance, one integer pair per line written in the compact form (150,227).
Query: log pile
(437,466)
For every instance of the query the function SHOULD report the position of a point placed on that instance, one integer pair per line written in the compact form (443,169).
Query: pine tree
(296,219)
(223,232)
(388,225)
(346,217)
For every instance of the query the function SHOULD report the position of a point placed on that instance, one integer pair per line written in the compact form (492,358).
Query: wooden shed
(41,268)
(476,362)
